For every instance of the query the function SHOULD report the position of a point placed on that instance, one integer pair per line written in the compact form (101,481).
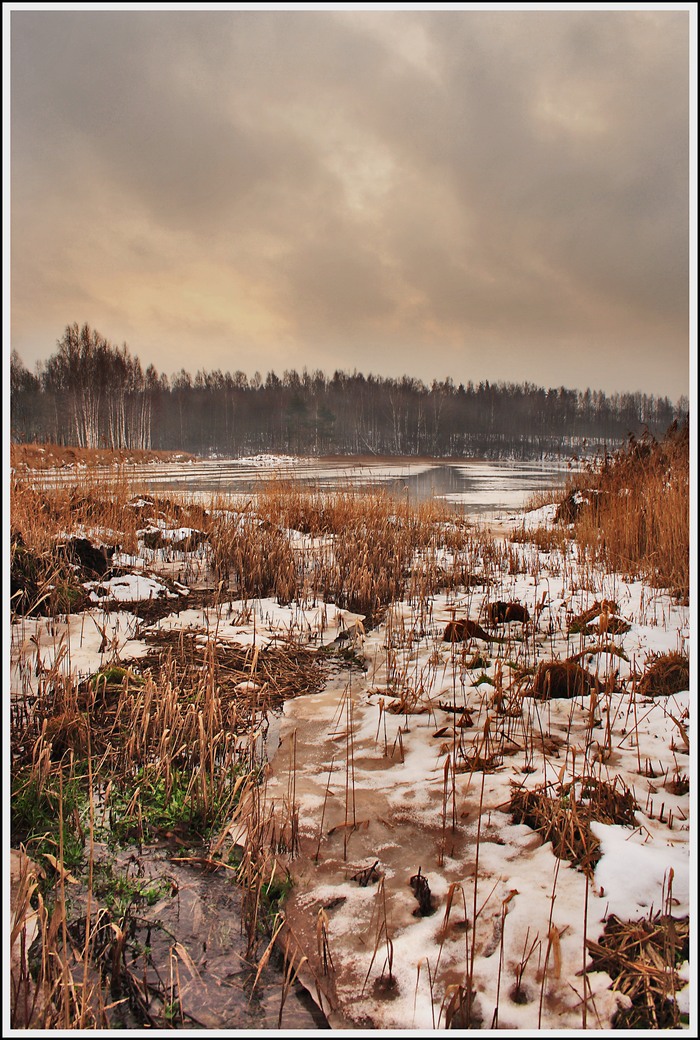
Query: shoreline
(43,457)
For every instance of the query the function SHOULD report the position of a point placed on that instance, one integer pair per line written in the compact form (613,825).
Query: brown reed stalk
(455,887)
(292,967)
(469,995)
(66,980)
(323,811)
(586,985)
(445,783)
(350,810)
(517,994)
(322,942)
(552,942)
(501,956)
(382,933)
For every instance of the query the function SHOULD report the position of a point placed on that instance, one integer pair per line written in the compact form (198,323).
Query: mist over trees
(93,394)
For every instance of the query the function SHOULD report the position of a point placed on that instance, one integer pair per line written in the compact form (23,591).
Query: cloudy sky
(471,193)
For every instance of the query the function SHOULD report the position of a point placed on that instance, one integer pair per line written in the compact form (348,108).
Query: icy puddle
(185,963)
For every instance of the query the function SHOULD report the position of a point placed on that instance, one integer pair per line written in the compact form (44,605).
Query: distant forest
(93,394)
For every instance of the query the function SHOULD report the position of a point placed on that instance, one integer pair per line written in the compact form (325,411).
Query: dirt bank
(57,456)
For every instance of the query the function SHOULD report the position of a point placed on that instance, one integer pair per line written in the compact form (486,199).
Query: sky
(463,192)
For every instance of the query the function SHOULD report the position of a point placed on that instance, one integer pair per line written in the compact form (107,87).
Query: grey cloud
(133,111)
(537,174)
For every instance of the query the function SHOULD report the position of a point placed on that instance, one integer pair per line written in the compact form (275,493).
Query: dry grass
(641,958)
(667,674)
(50,986)
(370,563)
(622,522)
(45,523)
(176,752)
(369,549)
(562,814)
(26,457)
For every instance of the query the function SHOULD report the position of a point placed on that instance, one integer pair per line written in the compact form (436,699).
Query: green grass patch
(182,804)
(114,676)
(274,894)
(35,818)
(120,891)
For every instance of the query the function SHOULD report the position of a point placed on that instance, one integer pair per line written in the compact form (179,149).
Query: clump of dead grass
(641,957)
(42,581)
(562,814)
(365,551)
(254,559)
(666,675)
(562,679)
(548,539)
(64,534)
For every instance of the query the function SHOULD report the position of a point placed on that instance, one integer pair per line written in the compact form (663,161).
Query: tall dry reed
(637,517)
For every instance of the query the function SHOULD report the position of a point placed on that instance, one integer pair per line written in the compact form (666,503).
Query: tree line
(91,393)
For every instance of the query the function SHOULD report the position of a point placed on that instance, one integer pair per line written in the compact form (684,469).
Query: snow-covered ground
(266,461)
(406,770)
(404,780)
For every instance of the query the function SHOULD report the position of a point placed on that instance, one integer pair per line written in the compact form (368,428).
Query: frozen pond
(477,486)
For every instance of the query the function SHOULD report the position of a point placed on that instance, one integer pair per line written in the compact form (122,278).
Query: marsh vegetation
(258,700)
